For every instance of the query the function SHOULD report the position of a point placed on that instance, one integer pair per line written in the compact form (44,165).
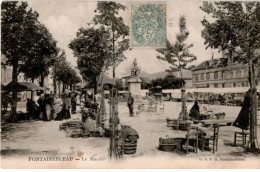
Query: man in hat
(130,103)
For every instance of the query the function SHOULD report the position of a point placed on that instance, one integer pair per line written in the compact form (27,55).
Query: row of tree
(29,48)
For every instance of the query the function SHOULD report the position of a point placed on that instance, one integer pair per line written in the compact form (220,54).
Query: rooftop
(213,63)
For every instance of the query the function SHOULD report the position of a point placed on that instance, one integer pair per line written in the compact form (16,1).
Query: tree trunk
(42,80)
(59,88)
(71,87)
(253,107)
(54,84)
(14,92)
(63,87)
(95,84)
(32,92)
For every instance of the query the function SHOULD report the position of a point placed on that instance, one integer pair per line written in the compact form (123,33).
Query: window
(242,84)
(231,74)
(202,76)
(223,74)
(215,85)
(207,76)
(245,72)
(223,85)
(215,75)
(234,85)
(196,77)
(238,73)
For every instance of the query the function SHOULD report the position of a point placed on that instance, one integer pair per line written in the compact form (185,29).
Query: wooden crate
(168,144)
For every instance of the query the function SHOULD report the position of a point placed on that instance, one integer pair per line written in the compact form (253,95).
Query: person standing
(41,104)
(130,103)
(242,120)
(67,106)
(29,107)
(195,111)
(57,115)
(48,102)
(73,103)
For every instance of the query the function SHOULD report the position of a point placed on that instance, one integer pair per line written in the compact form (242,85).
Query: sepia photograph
(130,84)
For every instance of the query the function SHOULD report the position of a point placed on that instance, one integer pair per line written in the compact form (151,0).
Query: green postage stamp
(148,25)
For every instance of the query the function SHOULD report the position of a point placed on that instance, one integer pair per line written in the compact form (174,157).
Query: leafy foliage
(43,54)
(17,23)
(108,17)
(164,83)
(235,28)
(178,54)
(91,47)
(63,72)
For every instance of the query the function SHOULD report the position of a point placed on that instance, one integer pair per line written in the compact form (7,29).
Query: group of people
(50,106)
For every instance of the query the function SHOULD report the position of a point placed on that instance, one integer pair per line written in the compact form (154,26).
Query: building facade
(220,73)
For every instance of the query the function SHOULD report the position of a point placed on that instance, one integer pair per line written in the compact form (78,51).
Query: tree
(166,83)
(91,47)
(178,55)
(236,29)
(107,17)
(42,56)
(64,73)
(17,22)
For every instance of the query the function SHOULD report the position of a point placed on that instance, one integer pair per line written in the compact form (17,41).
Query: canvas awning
(21,86)
(108,80)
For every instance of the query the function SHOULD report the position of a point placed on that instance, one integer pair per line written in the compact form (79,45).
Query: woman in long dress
(66,106)
(57,108)
(48,107)
(195,111)
(242,120)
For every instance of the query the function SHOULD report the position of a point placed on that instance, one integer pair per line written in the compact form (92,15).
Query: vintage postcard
(130,85)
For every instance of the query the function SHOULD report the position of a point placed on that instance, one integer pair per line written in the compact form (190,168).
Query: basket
(132,151)
(85,133)
(184,126)
(94,134)
(174,123)
(76,133)
(168,144)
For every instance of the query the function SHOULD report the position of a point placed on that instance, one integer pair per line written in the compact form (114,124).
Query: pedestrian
(66,106)
(195,111)
(73,103)
(51,94)
(29,108)
(41,104)
(242,120)
(57,115)
(48,102)
(130,103)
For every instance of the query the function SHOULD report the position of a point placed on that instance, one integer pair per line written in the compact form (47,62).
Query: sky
(64,18)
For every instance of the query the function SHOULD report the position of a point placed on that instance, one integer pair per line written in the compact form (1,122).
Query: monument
(134,83)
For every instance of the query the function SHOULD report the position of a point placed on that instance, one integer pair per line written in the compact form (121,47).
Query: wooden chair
(141,107)
(175,124)
(211,140)
(161,110)
(241,136)
(119,147)
(191,141)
